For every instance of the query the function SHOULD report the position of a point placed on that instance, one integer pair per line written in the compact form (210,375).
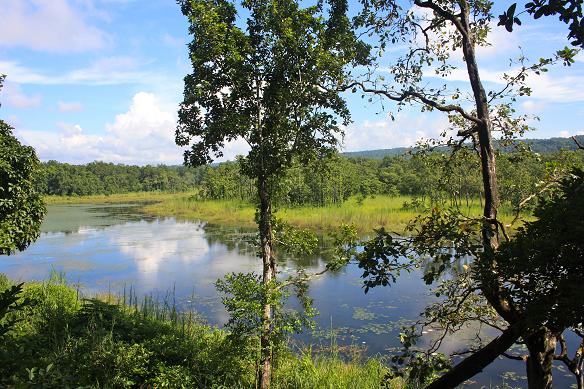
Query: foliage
(432,177)
(568,11)
(10,301)
(63,179)
(69,341)
(433,36)
(21,207)
(543,266)
(269,80)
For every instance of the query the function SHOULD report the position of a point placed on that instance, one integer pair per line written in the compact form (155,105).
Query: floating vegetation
(363,314)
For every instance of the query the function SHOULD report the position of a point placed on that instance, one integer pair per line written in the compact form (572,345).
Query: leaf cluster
(543,265)
(568,11)
(21,206)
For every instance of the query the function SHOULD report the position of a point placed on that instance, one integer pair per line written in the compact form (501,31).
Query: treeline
(63,179)
(429,177)
(434,176)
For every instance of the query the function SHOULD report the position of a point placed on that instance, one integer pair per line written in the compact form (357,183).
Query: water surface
(110,248)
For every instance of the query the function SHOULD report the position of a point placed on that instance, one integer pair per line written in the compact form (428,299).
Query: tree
(542,268)
(272,82)
(432,32)
(21,209)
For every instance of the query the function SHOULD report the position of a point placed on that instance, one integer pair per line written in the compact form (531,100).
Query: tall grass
(66,339)
(365,214)
(131,197)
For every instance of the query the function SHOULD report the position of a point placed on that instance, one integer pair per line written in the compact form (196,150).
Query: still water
(110,248)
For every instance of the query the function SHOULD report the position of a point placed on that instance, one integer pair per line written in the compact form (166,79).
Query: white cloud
(72,106)
(567,134)
(14,96)
(533,106)
(105,71)
(48,25)
(558,89)
(406,130)
(142,135)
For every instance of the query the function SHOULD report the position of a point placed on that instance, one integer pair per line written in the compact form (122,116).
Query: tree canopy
(21,206)
(266,72)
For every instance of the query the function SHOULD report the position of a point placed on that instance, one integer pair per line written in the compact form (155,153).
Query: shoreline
(365,214)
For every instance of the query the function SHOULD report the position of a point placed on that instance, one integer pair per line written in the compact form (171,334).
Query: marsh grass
(66,339)
(365,214)
(132,197)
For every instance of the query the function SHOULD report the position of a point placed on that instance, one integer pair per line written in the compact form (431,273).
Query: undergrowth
(64,340)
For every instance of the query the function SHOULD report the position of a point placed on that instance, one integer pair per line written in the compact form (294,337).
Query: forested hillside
(536,145)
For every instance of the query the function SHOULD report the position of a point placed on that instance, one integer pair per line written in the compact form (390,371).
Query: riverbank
(132,197)
(365,214)
(61,339)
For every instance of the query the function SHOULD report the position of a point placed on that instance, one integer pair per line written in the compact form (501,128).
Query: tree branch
(443,13)
(580,146)
(475,363)
(416,95)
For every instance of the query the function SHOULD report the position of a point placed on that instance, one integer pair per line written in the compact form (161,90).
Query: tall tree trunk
(269,273)
(541,346)
(491,288)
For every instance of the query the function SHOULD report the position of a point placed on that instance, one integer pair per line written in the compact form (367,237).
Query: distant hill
(537,145)
(376,154)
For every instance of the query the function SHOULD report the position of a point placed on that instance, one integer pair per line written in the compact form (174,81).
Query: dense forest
(435,176)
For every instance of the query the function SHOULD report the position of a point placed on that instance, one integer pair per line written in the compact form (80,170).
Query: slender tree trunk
(491,287)
(541,346)
(269,273)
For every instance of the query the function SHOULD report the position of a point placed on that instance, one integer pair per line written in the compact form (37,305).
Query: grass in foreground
(64,341)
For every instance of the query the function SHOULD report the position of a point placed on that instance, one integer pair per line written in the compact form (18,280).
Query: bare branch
(445,14)
(452,108)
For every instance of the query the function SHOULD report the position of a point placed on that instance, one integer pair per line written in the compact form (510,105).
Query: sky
(101,80)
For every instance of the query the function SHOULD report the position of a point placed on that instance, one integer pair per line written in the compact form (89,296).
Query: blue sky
(101,80)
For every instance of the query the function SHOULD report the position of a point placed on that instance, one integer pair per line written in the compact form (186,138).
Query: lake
(112,248)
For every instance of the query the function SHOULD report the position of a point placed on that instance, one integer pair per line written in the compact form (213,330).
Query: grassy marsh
(365,214)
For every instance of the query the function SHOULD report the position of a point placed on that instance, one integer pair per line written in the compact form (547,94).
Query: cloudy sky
(101,80)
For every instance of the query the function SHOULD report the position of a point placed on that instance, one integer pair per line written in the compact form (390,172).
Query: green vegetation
(132,197)
(21,206)
(100,178)
(64,340)
(365,193)
(365,214)
(430,176)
